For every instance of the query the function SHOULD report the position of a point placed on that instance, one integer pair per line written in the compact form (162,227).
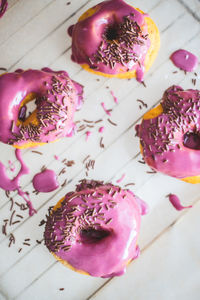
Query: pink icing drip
(101,129)
(8,184)
(45,181)
(3,7)
(56,157)
(184,60)
(175,201)
(144,208)
(121,178)
(114,97)
(106,111)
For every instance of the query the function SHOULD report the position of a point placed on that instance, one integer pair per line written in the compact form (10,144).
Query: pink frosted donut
(114,39)
(94,230)
(56,97)
(170,134)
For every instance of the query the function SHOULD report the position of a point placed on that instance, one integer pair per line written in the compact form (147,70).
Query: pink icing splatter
(175,201)
(45,181)
(88,134)
(56,157)
(184,60)
(11,166)
(121,178)
(8,184)
(114,97)
(101,129)
(106,111)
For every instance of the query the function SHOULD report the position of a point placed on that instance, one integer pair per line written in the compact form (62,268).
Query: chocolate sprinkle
(111,122)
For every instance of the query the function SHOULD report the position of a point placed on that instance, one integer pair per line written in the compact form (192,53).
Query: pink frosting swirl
(171,141)
(57,99)
(113,40)
(96,228)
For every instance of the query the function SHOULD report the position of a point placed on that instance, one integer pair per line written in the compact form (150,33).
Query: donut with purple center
(170,135)
(94,230)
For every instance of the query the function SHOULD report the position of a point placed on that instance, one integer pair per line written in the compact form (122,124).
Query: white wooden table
(33,35)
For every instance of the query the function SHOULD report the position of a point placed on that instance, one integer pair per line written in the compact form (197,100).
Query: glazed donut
(56,96)
(114,39)
(3,7)
(94,230)
(170,135)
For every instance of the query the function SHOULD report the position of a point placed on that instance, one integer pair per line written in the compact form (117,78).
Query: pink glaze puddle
(121,178)
(8,184)
(88,134)
(114,97)
(3,7)
(175,201)
(45,181)
(101,129)
(144,208)
(184,60)
(106,111)
(11,166)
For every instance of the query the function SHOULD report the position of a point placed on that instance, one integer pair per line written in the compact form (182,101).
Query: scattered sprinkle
(86,158)
(88,134)
(114,97)
(37,152)
(144,84)
(106,110)
(101,129)
(142,102)
(11,240)
(128,184)
(42,222)
(111,122)
(101,143)
(121,178)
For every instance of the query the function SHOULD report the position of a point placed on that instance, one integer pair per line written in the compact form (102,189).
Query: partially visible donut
(170,135)
(114,39)
(56,96)
(94,230)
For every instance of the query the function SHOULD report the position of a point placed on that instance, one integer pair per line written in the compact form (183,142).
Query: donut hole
(112,32)
(26,110)
(91,235)
(191,140)
(28,107)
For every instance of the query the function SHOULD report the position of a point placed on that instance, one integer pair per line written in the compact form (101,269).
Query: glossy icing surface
(175,201)
(95,228)
(56,96)
(3,7)
(114,39)
(171,140)
(8,184)
(45,181)
(184,60)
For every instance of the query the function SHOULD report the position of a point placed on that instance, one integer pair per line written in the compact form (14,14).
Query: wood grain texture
(33,35)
